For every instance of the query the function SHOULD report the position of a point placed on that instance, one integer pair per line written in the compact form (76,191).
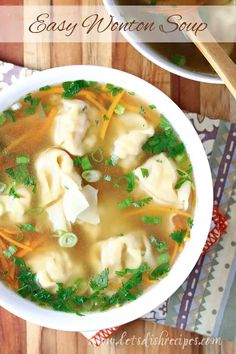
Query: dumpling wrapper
(134,132)
(161,181)
(90,214)
(73,130)
(60,188)
(54,266)
(119,252)
(15,208)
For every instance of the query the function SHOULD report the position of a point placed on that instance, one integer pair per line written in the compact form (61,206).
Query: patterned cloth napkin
(205,303)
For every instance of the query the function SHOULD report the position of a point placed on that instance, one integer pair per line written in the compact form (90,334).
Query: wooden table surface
(19,337)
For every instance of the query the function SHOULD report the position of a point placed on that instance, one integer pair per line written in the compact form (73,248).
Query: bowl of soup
(183,59)
(105,198)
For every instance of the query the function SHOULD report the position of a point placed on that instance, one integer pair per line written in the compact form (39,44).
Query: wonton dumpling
(15,208)
(161,181)
(119,252)
(134,133)
(61,192)
(54,266)
(73,130)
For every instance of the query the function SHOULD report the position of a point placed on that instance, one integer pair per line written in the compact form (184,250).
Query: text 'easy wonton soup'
(96,196)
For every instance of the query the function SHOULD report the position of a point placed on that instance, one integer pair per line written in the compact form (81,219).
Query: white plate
(185,262)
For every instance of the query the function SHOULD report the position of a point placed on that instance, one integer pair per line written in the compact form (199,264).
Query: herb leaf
(71,88)
(100,282)
(152,219)
(178,236)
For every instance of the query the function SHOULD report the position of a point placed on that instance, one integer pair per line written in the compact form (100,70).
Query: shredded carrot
(110,113)
(87,95)
(156,209)
(37,242)
(2,258)
(12,241)
(12,271)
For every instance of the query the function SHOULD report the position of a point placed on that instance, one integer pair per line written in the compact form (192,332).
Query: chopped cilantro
(178,59)
(113,90)
(105,117)
(142,111)
(166,141)
(12,193)
(9,115)
(160,246)
(30,110)
(184,177)
(33,101)
(160,271)
(45,88)
(100,282)
(190,222)
(152,106)
(125,203)
(10,251)
(145,172)
(71,88)
(178,236)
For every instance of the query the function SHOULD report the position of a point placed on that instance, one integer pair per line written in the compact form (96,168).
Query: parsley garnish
(105,117)
(152,106)
(12,193)
(30,110)
(33,101)
(9,115)
(45,88)
(142,111)
(190,222)
(178,236)
(160,271)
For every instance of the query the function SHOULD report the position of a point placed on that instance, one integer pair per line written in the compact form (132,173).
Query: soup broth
(186,54)
(97,196)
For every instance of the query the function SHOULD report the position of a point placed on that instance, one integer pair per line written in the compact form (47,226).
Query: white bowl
(158,59)
(185,262)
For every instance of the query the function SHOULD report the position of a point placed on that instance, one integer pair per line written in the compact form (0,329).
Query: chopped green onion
(10,251)
(129,182)
(152,219)
(190,222)
(92,176)
(97,122)
(77,161)
(85,163)
(22,159)
(131,93)
(114,90)
(97,155)
(34,101)
(163,258)
(68,240)
(120,109)
(12,193)
(145,172)
(28,227)
(125,203)
(60,233)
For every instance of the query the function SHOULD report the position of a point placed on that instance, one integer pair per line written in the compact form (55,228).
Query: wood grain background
(19,337)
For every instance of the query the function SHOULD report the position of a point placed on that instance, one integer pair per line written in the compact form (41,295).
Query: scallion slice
(92,175)
(68,240)
(22,159)
(97,155)
(120,109)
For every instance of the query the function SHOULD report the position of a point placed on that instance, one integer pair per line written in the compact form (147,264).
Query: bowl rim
(160,60)
(185,262)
